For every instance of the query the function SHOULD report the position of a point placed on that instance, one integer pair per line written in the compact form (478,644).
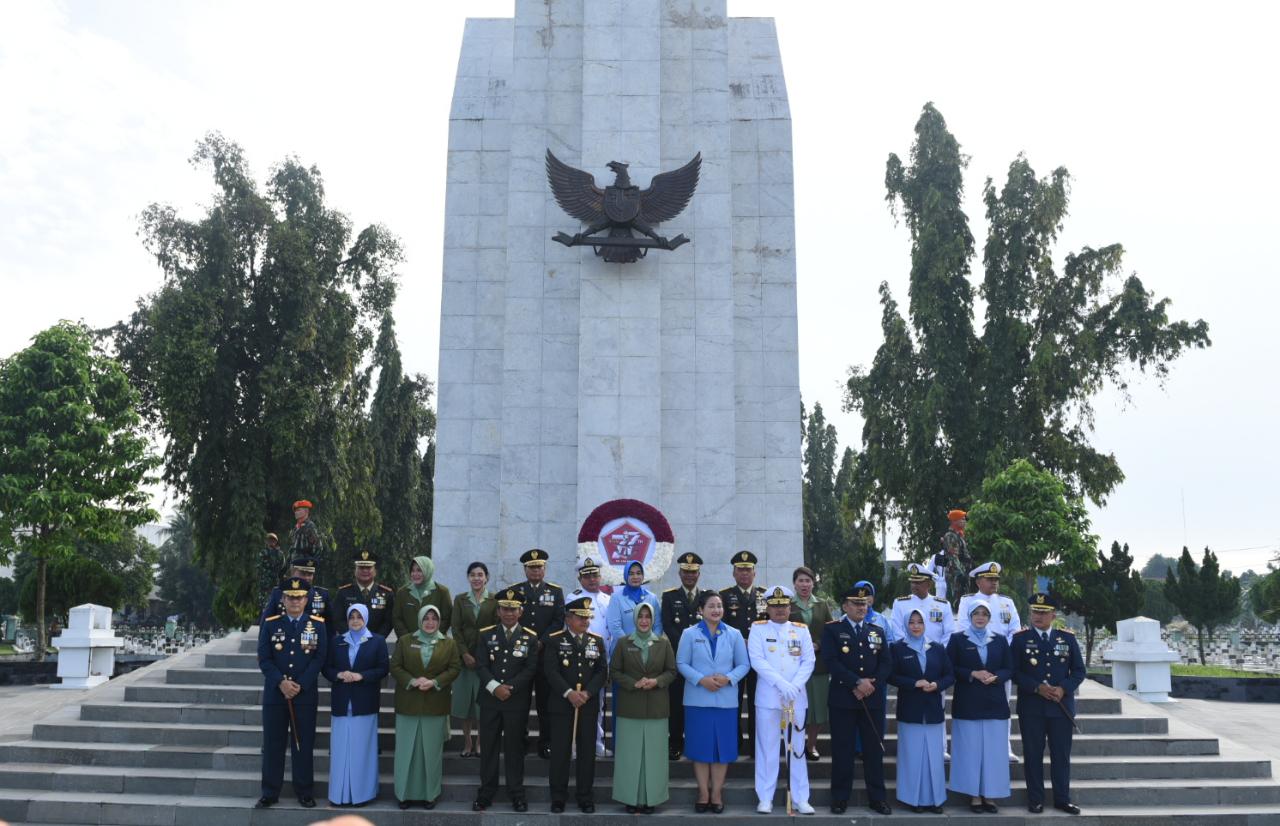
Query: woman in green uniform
(814,612)
(421,590)
(472,611)
(643,665)
(424,666)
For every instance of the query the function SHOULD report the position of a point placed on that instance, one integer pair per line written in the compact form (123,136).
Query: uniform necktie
(1044,636)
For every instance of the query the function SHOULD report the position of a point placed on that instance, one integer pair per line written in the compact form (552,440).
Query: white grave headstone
(1140,660)
(87,648)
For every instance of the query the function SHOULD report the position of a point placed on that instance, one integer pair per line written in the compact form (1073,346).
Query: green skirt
(816,690)
(466,695)
(640,764)
(420,755)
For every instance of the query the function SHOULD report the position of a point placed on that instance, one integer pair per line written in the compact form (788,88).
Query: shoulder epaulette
(900,599)
(344,585)
(272,617)
(939,599)
(799,624)
(556,633)
(488,628)
(669,590)
(530,630)
(1021,631)
(833,621)
(1066,631)
(760,622)
(552,585)
(317,618)
(597,636)
(386,587)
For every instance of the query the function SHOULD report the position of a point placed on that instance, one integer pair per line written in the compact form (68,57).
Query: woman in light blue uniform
(713,660)
(922,672)
(620,616)
(979,711)
(356,666)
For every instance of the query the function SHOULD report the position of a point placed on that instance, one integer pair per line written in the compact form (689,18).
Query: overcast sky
(1165,115)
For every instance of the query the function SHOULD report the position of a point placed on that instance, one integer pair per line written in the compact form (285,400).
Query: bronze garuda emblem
(621,208)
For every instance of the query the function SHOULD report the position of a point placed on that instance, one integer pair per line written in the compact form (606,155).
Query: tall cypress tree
(1205,596)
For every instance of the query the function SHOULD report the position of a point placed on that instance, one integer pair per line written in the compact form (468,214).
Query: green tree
(8,596)
(822,522)
(1158,566)
(73,580)
(183,584)
(1264,596)
(946,409)
(400,421)
(249,360)
(1026,521)
(1154,602)
(1111,592)
(1205,596)
(73,456)
(132,560)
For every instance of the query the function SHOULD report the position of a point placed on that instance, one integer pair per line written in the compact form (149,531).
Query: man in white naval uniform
(939,623)
(781,653)
(1004,616)
(589,586)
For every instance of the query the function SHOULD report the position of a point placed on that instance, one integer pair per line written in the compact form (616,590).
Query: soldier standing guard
(952,562)
(318,601)
(743,605)
(1004,617)
(857,655)
(1048,669)
(305,539)
(679,611)
(781,653)
(292,647)
(506,657)
(366,591)
(544,613)
(575,665)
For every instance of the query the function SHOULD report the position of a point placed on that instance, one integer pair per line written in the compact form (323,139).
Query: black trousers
(275,734)
(502,731)
(747,691)
(675,721)
(843,723)
(1034,732)
(541,690)
(561,742)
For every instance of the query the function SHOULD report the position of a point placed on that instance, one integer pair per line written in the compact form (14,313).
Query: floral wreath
(652,525)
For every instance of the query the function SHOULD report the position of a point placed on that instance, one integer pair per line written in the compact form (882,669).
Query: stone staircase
(178,743)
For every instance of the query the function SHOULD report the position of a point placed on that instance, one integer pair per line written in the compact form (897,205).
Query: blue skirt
(353,759)
(980,757)
(711,734)
(921,778)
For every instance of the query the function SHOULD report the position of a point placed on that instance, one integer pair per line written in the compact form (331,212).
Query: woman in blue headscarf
(356,666)
(983,664)
(922,672)
(620,616)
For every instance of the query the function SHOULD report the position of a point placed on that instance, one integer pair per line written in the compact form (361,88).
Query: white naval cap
(778,595)
(987,569)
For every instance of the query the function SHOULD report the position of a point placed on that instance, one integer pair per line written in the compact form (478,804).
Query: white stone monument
(1140,660)
(87,648)
(566,381)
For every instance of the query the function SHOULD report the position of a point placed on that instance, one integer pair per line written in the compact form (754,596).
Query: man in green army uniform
(544,613)
(506,657)
(366,591)
(305,539)
(952,564)
(575,665)
(743,605)
(679,613)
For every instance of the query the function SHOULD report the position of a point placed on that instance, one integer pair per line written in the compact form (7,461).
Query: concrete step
(247,758)
(738,791)
(208,714)
(136,809)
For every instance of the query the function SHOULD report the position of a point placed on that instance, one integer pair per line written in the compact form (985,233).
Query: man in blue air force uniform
(291,651)
(857,655)
(1048,669)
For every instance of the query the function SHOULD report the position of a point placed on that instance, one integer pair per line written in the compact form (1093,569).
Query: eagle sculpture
(621,207)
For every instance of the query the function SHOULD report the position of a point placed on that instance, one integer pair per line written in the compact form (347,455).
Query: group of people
(677,669)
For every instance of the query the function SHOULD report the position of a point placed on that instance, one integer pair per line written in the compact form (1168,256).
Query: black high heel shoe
(701,808)
(716,808)
(403,804)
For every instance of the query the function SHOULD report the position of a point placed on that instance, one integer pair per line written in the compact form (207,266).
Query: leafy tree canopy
(944,406)
(183,585)
(1158,566)
(73,455)
(1111,592)
(1205,596)
(73,580)
(252,360)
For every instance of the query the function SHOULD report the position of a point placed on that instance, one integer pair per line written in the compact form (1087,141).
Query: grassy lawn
(1180,670)
(6,649)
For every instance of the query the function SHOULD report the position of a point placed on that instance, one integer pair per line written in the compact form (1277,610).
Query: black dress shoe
(544,752)
(1035,808)
(937,810)
(646,810)
(715,808)
(404,804)
(919,810)
(307,802)
(520,806)
(812,754)
(976,808)
(428,804)
(838,807)
(989,807)
(1069,808)
(673,754)
(701,808)
(557,806)
(880,807)
(631,810)
(265,802)
(587,807)
(477,806)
